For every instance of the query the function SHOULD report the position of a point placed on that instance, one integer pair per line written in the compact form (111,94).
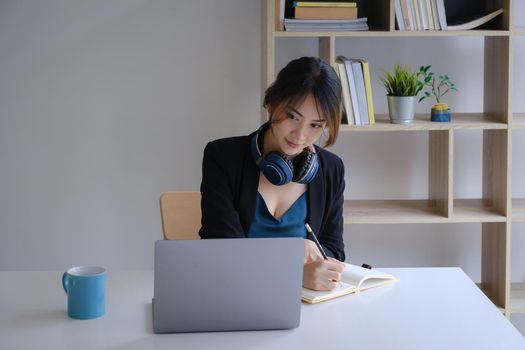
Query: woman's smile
(292,144)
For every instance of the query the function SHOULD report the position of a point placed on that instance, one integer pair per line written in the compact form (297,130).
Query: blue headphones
(278,168)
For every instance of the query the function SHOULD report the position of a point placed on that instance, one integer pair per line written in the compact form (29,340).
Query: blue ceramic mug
(85,289)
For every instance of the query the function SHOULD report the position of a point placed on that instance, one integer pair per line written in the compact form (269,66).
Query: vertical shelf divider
(494,262)
(495,257)
(440,170)
(327,49)
(497,78)
(270,10)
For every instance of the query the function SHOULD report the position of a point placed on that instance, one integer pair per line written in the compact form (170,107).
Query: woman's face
(296,128)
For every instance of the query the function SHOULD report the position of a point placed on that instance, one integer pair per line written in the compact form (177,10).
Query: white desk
(431,308)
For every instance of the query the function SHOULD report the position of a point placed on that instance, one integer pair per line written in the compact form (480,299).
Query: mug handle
(65,279)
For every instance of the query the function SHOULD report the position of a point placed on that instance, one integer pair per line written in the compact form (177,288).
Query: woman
(273,181)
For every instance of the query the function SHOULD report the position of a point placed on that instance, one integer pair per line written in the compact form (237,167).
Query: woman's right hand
(322,274)
(311,252)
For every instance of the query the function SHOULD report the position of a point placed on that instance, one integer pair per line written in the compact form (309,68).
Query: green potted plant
(402,88)
(438,87)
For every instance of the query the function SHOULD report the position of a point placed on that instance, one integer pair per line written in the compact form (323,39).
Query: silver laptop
(227,284)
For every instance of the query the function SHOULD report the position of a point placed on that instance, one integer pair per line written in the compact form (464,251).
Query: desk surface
(430,308)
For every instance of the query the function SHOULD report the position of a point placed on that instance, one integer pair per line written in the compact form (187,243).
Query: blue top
(290,224)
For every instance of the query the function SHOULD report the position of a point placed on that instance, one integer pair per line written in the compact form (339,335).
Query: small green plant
(401,82)
(438,87)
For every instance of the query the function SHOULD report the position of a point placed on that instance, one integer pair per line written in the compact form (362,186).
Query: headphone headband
(278,168)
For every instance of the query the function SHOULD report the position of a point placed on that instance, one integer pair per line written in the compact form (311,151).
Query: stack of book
(357,91)
(431,15)
(317,16)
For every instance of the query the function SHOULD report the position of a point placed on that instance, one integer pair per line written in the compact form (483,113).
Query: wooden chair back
(180,212)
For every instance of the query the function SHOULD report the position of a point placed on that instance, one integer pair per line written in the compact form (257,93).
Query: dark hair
(304,76)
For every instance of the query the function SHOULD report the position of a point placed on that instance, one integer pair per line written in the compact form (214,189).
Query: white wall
(105,105)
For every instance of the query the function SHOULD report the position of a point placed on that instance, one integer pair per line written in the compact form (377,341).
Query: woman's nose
(300,131)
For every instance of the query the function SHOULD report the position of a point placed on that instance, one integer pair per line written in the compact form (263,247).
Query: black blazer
(230,179)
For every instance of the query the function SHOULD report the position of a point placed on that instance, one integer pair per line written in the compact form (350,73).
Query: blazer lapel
(248,193)
(316,201)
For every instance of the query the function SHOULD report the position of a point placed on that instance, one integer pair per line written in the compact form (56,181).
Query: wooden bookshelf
(495,210)
(518,209)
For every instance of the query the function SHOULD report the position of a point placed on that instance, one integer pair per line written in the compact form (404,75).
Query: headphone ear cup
(305,167)
(277,168)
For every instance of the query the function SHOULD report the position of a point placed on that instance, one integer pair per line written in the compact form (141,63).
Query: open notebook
(353,280)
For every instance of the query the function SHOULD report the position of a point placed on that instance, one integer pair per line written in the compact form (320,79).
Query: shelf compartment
(517,298)
(388,34)
(422,122)
(518,121)
(475,210)
(518,209)
(391,212)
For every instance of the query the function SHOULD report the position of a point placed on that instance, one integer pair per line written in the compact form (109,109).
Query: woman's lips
(292,145)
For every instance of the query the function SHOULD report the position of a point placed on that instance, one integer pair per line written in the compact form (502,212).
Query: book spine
(404,11)
(399,15)
(435,14)
(323,4)
(353,92)
(361,93)
(416,14)
(430,17)
(326,12)
(410,13)
(422,14)
(368,90)
(442,14)
(346,93)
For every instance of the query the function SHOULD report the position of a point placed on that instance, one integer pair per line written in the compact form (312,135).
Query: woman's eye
(291,116)
(316,126)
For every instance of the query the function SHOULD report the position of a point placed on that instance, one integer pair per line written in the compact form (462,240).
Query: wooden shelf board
(486,292)
(381,33)
(518,121)
(390,212)
(422,122)
(517,298)
(518,209)
(474,210)
(418,211)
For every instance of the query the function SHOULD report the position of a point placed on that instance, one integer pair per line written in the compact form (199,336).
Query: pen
(309,229)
